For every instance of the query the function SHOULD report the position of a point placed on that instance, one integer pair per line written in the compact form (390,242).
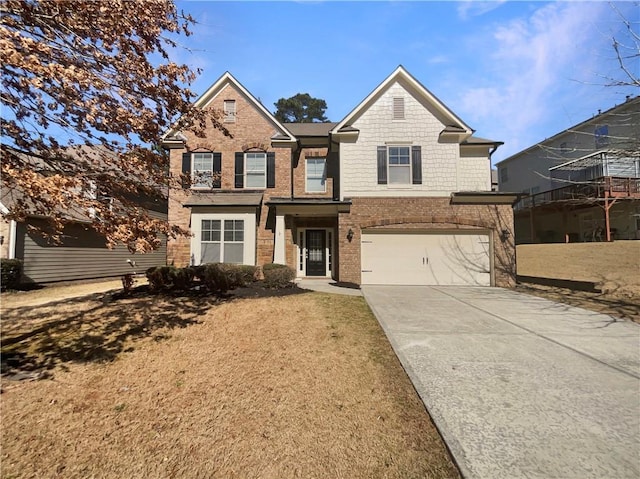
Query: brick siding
(251,129)
(428,214)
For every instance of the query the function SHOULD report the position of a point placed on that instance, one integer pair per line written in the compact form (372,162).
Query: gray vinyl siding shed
(82,255)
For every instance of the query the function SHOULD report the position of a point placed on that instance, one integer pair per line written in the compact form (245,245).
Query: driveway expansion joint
(539,335)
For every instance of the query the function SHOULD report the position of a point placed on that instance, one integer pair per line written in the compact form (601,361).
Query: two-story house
(397,192)
(583,183)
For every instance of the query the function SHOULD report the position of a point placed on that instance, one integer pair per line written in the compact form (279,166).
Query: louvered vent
(398,108)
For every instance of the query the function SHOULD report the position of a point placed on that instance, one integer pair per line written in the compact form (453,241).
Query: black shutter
(416,164)
(217,170)
(239,170)
(382,165)
(271,169)
(186,170)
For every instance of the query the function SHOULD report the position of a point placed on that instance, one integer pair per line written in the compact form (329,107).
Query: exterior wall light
(350,235)
(504,235)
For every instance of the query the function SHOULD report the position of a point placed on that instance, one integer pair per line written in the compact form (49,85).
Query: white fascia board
(401,74)
(222,83)
(218,86)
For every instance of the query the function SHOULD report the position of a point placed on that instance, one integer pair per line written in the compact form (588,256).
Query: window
(601,134)
(504,175)
(224,237)
(229,111)
(255,170)
(222,241)
(316,175)
(202,170)
(399,165)
(398,108)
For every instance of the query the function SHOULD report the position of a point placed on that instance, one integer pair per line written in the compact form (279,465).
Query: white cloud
(477,8)
(438,59)
(533,63)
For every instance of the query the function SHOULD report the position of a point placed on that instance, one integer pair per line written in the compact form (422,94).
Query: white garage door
(406,258)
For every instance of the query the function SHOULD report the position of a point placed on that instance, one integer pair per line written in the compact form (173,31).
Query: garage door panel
(384,253)
(425,259)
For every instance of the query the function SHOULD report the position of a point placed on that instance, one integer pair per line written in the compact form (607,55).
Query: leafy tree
(301,108)
(87,90)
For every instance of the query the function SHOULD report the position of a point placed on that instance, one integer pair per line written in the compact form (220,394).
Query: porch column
(279,254)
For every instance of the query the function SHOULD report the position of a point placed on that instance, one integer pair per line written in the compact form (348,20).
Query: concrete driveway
(519,386)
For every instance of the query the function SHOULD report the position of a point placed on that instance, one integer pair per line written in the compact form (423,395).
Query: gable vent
(398,108)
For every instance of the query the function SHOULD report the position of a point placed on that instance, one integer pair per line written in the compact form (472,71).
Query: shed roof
(224,199)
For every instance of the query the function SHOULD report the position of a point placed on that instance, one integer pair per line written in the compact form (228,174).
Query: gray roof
(594,119)
(306,201)
(476,140)
(309,129)
(224,199)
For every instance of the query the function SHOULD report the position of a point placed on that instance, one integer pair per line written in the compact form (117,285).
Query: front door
(316,253)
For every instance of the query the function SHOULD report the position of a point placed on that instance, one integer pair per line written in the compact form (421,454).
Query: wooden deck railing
(611,186)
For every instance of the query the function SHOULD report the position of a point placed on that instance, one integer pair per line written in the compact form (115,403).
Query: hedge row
(11,272)
(217,277)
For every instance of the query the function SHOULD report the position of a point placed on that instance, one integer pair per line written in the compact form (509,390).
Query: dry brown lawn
(613,267)
(304,385)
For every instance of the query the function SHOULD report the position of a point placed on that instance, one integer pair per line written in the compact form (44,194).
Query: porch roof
(309,206)
(485,197)
(306,201)
(224,199)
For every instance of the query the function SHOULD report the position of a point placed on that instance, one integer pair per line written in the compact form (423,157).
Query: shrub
(278,275)
(248,274)
(216,277)
(163,278)
(222,277)
(11,273)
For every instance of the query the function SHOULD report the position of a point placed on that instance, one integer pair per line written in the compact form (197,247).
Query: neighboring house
(398,192)
(583,183)
(82,252)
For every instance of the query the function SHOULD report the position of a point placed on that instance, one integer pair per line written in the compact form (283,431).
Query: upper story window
(601,134)
(201,169)
(229,111)
(400,165)
(255,170)
(398,108)
(316,175)
(504,174)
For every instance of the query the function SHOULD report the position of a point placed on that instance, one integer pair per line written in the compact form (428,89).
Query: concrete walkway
(519,386)
(324,285)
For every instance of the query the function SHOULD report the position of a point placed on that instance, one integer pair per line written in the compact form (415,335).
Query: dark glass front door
(316,252)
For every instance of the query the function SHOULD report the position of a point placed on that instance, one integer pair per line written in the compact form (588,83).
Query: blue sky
(516,72)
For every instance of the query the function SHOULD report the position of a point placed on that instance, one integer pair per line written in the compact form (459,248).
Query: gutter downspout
(13,226)
(495,147)
(491,152)
(291,168)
